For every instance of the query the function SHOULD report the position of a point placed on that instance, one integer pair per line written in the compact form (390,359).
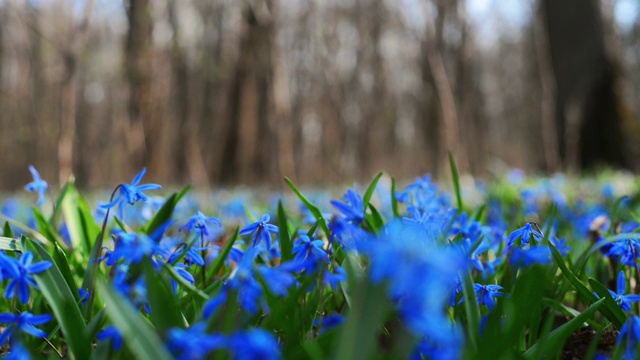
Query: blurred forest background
(214,92)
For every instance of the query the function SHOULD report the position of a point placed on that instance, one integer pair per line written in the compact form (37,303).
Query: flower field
(522,268)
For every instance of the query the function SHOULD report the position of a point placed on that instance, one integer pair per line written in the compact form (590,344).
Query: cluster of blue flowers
(431,261)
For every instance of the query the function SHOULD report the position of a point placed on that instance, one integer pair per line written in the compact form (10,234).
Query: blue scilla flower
(334,278)
(25,322)
(485,294)
(194,342)
(181,269)
(199,222)
(261,231)
(132,247)
(131,193)
(630,336)
(37,185)
(622,299)
(254,344)
(524,234)
(420,277)
(626,251)
(18,352)
(532,256)
(111,333)
(20,271)
(352,208)
(328,322)
(306,248)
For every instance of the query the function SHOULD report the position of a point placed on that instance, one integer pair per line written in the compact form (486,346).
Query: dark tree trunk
(589,124)
(139,67)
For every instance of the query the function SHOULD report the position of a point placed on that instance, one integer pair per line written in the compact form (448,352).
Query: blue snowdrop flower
(37,185)
(131,193)
(25,322)
(532,256)
(630,336)
(194,342)
(261,231)
(199,222)
(352,208)
(111,333)
(524,234)
(622,299)
(254,344)
(20,271)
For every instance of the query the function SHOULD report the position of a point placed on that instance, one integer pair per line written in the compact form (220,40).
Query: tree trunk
(139,67)
(589,124)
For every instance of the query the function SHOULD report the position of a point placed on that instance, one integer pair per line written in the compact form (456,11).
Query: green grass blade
(394,201)
(583,291)
(312,208)
(358,339)
(369,193)
(471,307)
(62,301)
(456,181)
(165,313)
(615,313)
(78,218)
(553,342)
(9,244)
(138,335)
(286,246)
(224,252)
(166,211)
(7,231)
(46,229)
(184,283)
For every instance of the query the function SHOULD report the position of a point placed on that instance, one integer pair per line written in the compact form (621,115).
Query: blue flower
(619,296)
(526,258)
(328,322)
(198,223)
(18,352)
(111,333)
(37,185)
(194,342)
(20,272)
(261,231)
(352,208)
(25,322)
(306,248)
(525,233)
(626,251)
(630,335)
(133,247)
(181,270)
(130,193)
(254,344)
(485,294)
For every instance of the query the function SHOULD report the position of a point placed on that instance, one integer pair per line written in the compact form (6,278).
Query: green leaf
(46,229)
(62,301)
(471,307)
(553,342)
(286,246)
(616,315)
(138,335)
(394,201)
(165,313)
(9,244)
(184,283)
(77,216)
(374,220)
(456,180)
(584,292)
(358,339)
(166,211)
(369,193)
(224,252)
(312,208)
(7,231)
(61,261)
